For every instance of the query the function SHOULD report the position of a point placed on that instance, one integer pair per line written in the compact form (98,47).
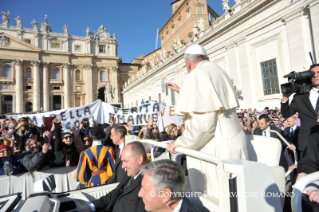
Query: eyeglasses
(276,120)
(86,140)
(5,150)
(66,137)
(155,128)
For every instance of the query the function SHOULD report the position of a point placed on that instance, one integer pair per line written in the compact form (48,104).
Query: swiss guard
(96,164)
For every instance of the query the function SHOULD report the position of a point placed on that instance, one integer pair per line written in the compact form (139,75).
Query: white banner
(168,117)
(101,112)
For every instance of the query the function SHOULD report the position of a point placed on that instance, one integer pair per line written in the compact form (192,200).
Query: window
(56,88)
(180,22)
(103,76)
(27,41)
(159,98)
(176,7)
(123,82)
(200,9)
(28,73)
(56,74)
(188,13)
(173,97)
(150,98)
(7,71)
(270,77)
(136,103)
(173,29)
(102,49)
(77,75)
(28,87)
(55,44)
(77,48)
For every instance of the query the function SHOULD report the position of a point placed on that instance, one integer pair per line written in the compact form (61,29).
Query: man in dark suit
(118,137)
(125,196)
(163,187)
(307,106)
(264,127)
(291,134)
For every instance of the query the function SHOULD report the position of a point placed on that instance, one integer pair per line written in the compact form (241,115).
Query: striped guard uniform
(96,165)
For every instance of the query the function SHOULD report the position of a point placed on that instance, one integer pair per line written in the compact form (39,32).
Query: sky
(135,22)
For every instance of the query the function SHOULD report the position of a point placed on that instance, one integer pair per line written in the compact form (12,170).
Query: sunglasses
(276,120)
(86,140)
(66,137)
(155,128)
(5,150)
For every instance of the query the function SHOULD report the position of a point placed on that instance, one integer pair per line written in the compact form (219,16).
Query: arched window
(56,73)
(28,72)
(77,75)
(103,76)
(28,107)
(7,71)
(200,9)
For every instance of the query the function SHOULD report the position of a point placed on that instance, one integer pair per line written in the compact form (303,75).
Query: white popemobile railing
(202,156)
(288,144)
(299,187)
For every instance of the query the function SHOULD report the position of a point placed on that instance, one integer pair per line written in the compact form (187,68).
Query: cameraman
(307,105)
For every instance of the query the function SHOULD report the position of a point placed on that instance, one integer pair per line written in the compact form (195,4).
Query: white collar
(178,207)
(137,175)
(121,146)
(315,90)
(96,143)
(294,128)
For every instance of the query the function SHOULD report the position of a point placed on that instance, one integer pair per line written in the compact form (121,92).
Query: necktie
(291,134)
(128,182)
(264,133)
(117,152)
(317,106)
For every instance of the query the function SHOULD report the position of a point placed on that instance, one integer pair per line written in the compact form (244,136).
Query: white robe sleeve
(199,130)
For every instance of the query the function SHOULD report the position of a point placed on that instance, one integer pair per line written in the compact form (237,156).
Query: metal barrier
(288,144)
(296,201)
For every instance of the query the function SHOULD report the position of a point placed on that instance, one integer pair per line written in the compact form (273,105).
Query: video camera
(300,82)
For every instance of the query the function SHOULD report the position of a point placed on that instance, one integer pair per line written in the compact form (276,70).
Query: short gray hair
(194,58)
(166,174)
(27,142)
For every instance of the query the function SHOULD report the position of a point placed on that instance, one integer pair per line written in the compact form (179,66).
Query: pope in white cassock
(208,104)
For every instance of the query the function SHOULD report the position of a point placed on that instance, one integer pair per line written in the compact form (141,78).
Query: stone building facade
(256,42)
(41,70)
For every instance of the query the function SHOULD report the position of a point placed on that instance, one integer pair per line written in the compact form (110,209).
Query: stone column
(62,102)
(89,84)
(46,100)
(67,82)
(36,85)
(115,84)
(51,105)
(19,86)
(13,103)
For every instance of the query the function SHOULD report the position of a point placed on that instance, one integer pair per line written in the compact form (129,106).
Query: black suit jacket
(294,140)
(119,173)
(187,206)
(310,162)
(308,117)
(119,200)
(282,161)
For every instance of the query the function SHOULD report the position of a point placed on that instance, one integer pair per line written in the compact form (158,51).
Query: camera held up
(299,82)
